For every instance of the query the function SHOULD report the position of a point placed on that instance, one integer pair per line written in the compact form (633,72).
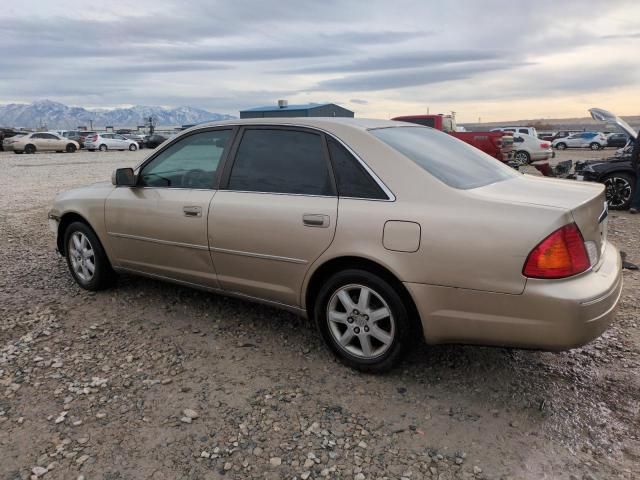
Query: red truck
(497,144)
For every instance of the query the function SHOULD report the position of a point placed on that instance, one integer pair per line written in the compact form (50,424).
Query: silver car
(109,141)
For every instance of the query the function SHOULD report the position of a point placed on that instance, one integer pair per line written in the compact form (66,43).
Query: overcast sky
(491,59)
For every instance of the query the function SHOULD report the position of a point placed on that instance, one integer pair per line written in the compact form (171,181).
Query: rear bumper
(549,314)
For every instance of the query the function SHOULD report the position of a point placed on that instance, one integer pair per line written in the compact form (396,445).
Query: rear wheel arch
(338,264)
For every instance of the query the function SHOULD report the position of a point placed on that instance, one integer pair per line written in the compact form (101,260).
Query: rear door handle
(315,220)
(192,211)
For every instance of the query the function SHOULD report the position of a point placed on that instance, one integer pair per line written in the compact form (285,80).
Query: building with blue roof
(283,109)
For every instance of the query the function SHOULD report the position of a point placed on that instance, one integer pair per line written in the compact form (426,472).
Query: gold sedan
(382,232)
(40,141)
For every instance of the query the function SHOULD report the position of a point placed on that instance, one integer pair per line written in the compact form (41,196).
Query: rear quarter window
(450,160)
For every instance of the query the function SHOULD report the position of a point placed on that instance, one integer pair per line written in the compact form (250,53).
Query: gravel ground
(151,380)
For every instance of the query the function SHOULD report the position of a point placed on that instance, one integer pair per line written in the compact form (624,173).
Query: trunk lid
(585,201)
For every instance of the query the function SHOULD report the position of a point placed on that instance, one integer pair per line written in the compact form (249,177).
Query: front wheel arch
(66,220)
(335,265)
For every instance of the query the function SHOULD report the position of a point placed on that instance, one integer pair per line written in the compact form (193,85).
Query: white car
(592,140)
(530,149)
(109,141)
(526,130)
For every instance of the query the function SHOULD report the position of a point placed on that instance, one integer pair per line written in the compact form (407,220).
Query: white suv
(592,140)
(109,141)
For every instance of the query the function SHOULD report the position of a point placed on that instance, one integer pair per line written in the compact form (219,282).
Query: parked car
(77,135)
(616,172)
(530,149)
(40,141)
(8,133)
(152,141)
(415,235)
(518,129)
(592,140)
(617,140)
(497,144)
(109,141)
(139,139)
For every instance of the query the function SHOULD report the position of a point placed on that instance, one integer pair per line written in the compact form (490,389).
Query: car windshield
(452,161)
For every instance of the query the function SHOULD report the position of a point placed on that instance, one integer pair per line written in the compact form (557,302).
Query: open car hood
(605,116)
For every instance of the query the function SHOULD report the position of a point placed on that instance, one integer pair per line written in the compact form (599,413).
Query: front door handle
(192,211)
(315,220)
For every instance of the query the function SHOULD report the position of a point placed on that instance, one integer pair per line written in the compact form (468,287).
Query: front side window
(191,162)
(281,161)
(352,179)
(452,161)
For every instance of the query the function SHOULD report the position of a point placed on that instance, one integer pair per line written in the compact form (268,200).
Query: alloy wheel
(360,321)
(617,191)
(82,256)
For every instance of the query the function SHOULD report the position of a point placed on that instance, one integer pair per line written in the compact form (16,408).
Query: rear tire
(30,149)
(370,333)
(619,188)
(103,148)
(133,147)
(86,259)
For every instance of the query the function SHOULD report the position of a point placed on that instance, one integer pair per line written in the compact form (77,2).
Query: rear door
(275,213)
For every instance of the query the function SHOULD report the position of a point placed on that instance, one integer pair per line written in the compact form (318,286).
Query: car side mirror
(123,177)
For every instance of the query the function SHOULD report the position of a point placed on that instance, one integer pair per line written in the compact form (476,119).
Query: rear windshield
(454,162)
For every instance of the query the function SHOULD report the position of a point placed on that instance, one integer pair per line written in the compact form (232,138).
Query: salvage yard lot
(97,384)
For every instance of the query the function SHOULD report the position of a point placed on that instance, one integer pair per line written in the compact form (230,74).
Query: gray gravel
(150,380)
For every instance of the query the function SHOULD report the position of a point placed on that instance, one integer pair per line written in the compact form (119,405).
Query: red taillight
(93,138)
(562,254)
(544,145)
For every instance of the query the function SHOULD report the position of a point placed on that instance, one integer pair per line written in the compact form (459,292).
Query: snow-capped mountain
(57,115)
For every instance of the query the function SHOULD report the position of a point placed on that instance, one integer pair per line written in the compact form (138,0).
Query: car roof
(323,123)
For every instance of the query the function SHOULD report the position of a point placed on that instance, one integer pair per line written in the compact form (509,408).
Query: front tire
(594,146)
(103,148)
(86,259)
(71,148)
(363,320)
(561,146)
(522,158)
(619,187)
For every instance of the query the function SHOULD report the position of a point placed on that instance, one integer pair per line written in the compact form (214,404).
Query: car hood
(605,116)
(93,190)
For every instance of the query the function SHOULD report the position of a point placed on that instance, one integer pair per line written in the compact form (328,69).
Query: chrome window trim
(281,193)
(390,195)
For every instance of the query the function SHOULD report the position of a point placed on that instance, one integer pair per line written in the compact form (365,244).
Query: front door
(275,215)
(159,227)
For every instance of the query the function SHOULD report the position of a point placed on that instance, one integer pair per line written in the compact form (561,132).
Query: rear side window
(281,161)
(351,178)
(524,130)
(452,161)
